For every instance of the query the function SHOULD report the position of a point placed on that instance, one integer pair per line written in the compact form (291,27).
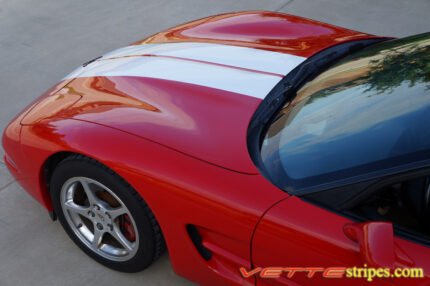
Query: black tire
(151,243)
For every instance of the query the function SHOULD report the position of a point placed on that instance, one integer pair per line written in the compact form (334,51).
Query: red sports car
(259,148)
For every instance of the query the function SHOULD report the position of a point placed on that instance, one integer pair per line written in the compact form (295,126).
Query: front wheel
(104,215)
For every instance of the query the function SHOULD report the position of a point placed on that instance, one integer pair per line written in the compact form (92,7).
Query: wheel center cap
(99,213)
(101,217)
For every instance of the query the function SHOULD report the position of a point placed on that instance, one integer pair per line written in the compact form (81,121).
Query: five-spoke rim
(99,218)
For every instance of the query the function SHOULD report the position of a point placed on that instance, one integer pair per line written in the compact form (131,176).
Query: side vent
(196,238)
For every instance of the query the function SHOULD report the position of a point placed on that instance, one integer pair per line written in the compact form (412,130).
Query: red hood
(194,88)
(260,29)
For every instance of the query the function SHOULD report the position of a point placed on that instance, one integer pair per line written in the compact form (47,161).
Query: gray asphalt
(41,41)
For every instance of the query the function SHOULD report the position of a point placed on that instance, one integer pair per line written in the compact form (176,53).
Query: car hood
(195,87)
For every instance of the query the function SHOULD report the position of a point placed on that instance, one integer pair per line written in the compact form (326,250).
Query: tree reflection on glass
(379,69)
(410,64)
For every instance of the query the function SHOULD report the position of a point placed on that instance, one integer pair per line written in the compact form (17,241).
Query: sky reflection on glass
(371,107)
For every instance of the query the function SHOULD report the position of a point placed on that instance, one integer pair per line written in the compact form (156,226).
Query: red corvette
(259,148)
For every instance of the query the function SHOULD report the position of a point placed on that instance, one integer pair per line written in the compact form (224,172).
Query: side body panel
(225,206)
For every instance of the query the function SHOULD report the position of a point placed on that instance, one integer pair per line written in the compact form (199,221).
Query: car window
(369,112)
(405,203)
(402,199)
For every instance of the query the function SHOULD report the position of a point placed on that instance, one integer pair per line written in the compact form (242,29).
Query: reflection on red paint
(260,29)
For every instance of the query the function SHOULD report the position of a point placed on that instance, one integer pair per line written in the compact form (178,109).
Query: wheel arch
(45,145)
(46,172)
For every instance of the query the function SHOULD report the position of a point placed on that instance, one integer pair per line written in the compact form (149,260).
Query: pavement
(41,41)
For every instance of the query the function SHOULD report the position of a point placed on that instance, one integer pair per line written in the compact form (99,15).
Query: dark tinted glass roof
(368,113)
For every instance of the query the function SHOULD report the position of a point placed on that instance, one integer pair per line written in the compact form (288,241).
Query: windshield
(370,112)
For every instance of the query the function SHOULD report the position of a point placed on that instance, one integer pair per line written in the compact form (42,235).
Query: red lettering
(246,274)
(271,272)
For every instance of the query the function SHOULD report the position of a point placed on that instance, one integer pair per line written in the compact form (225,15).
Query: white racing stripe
(241,70)
(242,57)
(234,80)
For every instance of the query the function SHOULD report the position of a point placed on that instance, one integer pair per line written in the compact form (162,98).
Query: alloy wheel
(99,218)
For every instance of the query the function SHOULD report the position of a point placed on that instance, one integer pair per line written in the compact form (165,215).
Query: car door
(308,242)
(295,235)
